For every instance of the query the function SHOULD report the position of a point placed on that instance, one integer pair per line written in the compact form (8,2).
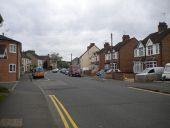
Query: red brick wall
(126,56)
(166,50)
(12,58)
(102,60)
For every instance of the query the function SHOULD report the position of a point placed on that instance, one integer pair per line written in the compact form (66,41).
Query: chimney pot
(162,26)
(125,38)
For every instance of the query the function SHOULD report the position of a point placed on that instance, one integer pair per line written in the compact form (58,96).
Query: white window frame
(141,51)
(157,49)
(137,67)
(12,48)
(150,50)
(13,68)
(151,64)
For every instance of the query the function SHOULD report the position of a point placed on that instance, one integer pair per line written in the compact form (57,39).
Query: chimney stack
(91,45)
(106,44)
(125,38)
(162,26)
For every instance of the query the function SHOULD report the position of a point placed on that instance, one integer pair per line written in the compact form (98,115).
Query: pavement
(25,107)
(156,86)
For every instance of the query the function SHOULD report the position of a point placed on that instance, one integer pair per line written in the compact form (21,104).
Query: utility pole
(71,58)
(112,54)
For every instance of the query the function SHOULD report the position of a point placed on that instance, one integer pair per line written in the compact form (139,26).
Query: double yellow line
(62,112)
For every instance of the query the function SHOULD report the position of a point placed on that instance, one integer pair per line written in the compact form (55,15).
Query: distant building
(33,56)
(75,61)
(26,63)
(10,59)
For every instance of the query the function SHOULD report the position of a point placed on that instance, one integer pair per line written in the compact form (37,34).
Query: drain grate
(11,123)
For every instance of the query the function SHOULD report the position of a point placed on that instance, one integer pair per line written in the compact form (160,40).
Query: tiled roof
(121,44)
(156,37)
(2,37)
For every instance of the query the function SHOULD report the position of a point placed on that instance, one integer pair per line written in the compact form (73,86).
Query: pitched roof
(25,56)
(43,57)
(89,47)
(2,49)
(156,37)
(2,37)
(121,44)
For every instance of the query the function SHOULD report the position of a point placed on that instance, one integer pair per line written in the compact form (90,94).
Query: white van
(166,73)
(150,74)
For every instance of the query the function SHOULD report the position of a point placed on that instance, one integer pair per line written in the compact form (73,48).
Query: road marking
(60,112)
(66,112)
(145,90)
(59,104)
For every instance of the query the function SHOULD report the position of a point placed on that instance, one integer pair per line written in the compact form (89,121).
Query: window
(150,50)
(138,67)
(151,64)
(115,55)
(135,52)
(12,48)
(114,66)
(141,51)
(157,48)
(152,71)
(12,67)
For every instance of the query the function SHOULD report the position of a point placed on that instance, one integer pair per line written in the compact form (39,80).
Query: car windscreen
(167,68)
(39,70)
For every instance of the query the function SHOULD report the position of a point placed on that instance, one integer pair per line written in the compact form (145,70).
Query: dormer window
(150,50)
(141,51)
(12,48)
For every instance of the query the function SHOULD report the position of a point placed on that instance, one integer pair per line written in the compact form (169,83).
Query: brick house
(10,59)
(44,62)
(122,55)
(153,51)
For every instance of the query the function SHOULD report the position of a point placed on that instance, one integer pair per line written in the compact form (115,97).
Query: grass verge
(3,93)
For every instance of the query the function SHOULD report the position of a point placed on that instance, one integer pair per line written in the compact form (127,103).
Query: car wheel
(163,78)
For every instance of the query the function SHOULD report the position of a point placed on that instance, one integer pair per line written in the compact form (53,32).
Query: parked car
(166,72)
(38,72)
(150,74)
(55,70)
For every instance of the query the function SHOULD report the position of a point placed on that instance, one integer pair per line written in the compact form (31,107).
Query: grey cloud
(69,26)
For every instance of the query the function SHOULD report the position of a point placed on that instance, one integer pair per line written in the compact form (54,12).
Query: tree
(1,19)
(55,57)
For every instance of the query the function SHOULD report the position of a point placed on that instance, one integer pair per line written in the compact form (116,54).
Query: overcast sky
(69,26)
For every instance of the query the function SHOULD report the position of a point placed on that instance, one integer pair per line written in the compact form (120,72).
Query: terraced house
(10,59)
(154,50)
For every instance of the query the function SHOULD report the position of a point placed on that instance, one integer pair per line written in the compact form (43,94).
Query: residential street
(85,103)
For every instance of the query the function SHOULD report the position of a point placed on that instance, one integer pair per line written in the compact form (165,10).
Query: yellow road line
(60,112)
(66,112)
(145,90)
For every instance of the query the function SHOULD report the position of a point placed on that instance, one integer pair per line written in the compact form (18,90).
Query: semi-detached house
(10,59)
(154,50)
